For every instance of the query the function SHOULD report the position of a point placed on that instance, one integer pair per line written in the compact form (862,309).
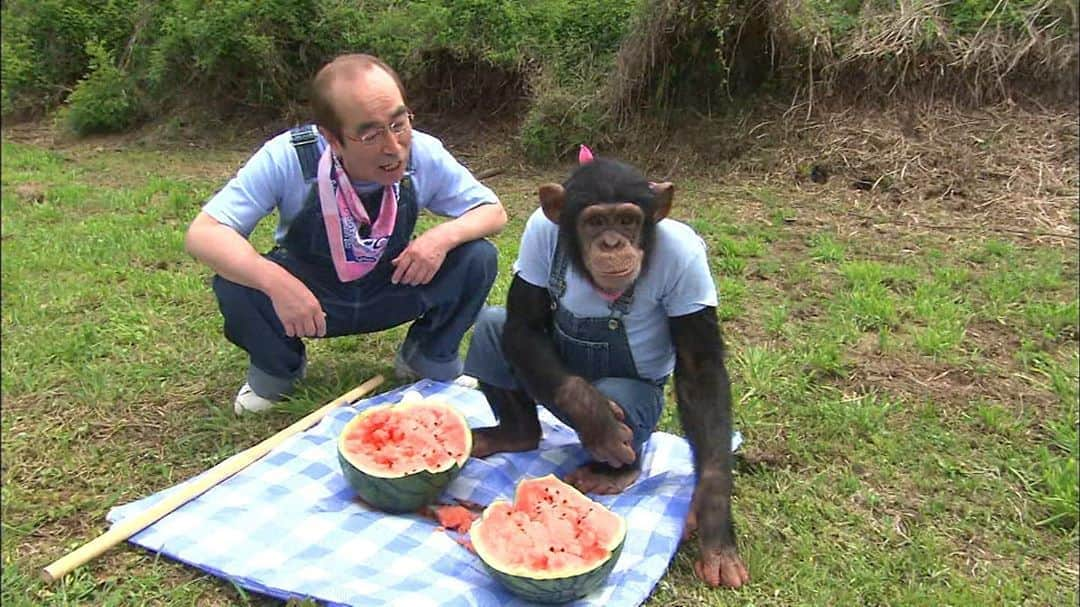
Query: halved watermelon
(552,545)
(399,457)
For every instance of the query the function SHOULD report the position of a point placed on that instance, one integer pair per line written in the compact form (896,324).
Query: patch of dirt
(908,169)
(760,458)
(915,378)
(33,193)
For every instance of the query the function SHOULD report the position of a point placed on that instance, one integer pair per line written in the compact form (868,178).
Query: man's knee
(231,296)
(481,259)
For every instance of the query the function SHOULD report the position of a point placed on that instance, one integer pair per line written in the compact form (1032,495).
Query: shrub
(103,101)
(587,65)
(45,43)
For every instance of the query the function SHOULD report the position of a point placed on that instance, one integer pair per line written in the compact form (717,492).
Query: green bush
(19,77)
(586,64)
(103,101)
(239,54)
(45,41)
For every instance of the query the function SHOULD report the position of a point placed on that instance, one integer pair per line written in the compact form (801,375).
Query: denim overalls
(443,309)
(595,348)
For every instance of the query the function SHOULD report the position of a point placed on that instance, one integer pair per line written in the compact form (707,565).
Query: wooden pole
(127,528)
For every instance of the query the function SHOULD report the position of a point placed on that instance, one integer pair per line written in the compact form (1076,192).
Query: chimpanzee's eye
(594,221)
(627,220)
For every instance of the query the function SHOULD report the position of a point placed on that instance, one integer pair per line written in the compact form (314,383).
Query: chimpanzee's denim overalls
(443,309)
(595,348)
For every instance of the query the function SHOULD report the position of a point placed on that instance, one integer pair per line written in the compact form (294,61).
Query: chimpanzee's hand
(719,563)
(598,421)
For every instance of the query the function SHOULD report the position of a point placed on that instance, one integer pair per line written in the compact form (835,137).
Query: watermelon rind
(556,589)
(548,586)
(400,493)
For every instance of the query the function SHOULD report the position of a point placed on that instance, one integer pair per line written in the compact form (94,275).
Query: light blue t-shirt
(273,179)
(676,282)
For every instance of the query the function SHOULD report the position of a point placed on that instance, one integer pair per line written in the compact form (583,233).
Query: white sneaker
(249,402)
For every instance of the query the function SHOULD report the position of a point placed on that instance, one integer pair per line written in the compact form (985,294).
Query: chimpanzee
(608,298)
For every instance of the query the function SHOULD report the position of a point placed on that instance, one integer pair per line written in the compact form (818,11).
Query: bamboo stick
(125,529)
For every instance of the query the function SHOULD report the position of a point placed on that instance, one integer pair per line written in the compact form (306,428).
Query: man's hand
(297,308)
(719,564)
(598,421)
(231,255)
(419,262)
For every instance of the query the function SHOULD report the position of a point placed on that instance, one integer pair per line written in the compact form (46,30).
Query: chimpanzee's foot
(518,426)
(500,439)
(596,477)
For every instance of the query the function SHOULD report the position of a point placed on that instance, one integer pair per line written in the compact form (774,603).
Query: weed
(825,248)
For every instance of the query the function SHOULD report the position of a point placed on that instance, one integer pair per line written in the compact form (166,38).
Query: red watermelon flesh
(457,518)
(396,441)
(550,530)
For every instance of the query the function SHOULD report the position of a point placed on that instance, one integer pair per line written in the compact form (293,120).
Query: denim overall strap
(305,141)
(306,240)
(593,347)
(557,278)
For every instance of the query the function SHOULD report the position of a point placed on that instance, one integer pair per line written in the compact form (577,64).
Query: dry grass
(910,49)
(915,46)
(1019,175)
(900,169)
(656,31)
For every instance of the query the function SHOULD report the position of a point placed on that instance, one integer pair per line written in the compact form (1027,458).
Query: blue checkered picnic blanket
(288,526)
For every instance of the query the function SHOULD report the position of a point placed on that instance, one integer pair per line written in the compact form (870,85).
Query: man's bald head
(343,70)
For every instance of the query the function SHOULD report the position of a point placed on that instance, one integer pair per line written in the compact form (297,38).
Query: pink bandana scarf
(343,213)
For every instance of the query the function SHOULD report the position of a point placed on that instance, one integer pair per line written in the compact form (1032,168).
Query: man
(348,196)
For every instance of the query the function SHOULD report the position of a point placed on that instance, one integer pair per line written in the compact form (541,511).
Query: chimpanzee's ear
(551,200)
(665,193)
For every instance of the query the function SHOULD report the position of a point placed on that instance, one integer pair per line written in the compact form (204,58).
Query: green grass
(910,421)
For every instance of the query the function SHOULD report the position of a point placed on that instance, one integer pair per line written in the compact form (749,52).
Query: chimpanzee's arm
(530,348)
(527,340)
(703,393)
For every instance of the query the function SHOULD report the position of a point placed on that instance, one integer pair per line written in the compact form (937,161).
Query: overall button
(613,324)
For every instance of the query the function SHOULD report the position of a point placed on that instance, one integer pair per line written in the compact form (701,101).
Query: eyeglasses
(370,135)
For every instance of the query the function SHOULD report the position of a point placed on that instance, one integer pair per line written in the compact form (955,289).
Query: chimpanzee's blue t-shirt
(676,281)
(273,179)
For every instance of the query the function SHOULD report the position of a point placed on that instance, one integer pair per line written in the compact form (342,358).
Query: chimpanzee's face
(606,216)
(611,247)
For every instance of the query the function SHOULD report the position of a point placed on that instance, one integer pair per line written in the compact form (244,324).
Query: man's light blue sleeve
(256,189)
(445,187)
